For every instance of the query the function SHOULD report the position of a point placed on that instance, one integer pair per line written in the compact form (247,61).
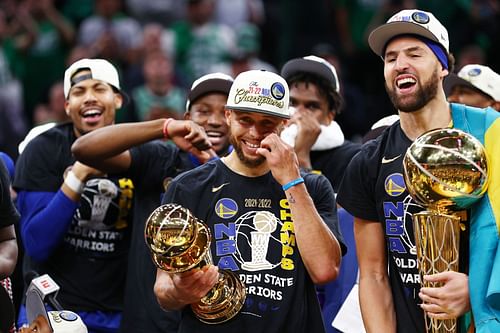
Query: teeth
(405,80)
(214,134)
(252,145)
(91,113)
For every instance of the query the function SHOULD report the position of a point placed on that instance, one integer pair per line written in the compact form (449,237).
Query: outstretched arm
(107,148)
(375,295)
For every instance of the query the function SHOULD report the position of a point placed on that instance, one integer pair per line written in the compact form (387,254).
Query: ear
(228,114)
(66,107)
(187,115)
(496,106)
(118,101)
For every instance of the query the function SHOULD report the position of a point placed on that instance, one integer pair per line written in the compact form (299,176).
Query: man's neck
(234,163)
(435,114)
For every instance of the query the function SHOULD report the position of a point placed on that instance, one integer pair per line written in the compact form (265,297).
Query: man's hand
(451,300)
(174,291)
(280,157)
(191,137)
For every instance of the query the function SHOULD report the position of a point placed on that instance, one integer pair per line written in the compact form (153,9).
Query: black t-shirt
(90,262)
(8,212)
(373,188)
(253,236)
(333,162)
(153,165)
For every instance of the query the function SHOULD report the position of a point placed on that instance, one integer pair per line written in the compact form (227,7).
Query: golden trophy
(179,242)
(445,171)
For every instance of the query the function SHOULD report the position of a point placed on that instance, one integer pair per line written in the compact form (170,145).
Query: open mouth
(405,83)
(92,115)
(215,137)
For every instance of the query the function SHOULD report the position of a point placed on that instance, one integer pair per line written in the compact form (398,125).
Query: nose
(401,62)
(217,119)
(90,96)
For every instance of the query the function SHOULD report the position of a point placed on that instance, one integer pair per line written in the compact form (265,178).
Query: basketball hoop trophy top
(445,171)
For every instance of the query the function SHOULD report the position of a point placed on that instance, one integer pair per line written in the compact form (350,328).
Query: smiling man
(415,50)
(76,221)
(272,225)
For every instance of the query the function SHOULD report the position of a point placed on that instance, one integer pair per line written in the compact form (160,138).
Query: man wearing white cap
(254,194)
(151,165)
(76,221)
(414,48)
(474,85)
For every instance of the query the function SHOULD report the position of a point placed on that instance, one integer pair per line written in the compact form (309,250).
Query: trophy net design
(179,242)
(445,171)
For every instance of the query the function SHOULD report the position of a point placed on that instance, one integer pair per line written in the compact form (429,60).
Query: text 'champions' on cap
(260,91)
(409,22)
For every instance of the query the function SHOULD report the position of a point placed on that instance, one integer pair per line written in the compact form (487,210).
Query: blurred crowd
(162,46)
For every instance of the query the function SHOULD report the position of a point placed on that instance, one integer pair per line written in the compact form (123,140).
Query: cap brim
(452,80)
(295,66)
(380,36)
(35,306)
(258,111)
(214,85)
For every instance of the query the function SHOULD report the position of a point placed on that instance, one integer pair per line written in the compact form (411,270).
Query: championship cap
(314,65)
(260,91)
(100,69)
(62,321)
(210,83)
(477,77)
(409,22)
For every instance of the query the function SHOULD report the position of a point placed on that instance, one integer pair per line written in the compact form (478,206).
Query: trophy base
(223,301)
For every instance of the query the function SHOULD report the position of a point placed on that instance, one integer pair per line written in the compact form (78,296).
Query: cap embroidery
(420,17)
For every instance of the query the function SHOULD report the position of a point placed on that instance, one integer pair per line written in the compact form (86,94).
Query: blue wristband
(293,183)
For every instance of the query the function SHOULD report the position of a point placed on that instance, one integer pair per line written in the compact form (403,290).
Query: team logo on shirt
(226,208)
(394,184)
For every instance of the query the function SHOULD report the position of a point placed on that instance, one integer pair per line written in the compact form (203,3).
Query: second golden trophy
(445,171)
(179,242)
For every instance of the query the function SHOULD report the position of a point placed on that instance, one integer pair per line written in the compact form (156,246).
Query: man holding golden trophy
(241,241)
(424,195)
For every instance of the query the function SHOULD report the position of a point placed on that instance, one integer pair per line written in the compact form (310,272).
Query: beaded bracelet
(293,183)
(165,128)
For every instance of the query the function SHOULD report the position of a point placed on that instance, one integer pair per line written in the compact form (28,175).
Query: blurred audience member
(474,85)
(53,110)
(158,97)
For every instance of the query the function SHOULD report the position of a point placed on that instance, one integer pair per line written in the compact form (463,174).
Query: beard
(249,162)
(423,95)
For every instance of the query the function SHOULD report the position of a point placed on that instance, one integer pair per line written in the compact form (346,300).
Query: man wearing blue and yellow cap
(414,47)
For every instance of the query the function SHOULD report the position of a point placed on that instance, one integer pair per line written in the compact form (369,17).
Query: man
(75,221)
(313,132)
(474,85)
(275,229)
(414,47)
(8,247)
(125,148)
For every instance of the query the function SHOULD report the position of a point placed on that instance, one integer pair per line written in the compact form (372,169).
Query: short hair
(325,89)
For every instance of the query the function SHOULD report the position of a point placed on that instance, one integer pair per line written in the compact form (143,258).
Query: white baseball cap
(478,77)
(409,22)
(210,83)
(260,91)
(100,69)
(62,321)
(314,65)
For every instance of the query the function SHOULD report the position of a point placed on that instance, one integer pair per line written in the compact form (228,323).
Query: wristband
(165,128)
(293,183)
(75,184)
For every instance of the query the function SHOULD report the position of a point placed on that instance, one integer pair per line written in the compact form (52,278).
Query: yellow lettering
(287,238)
(287,226)
(286,250)
(287,264)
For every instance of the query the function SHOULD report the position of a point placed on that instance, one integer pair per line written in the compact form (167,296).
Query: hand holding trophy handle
(180,242)
(445,170)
